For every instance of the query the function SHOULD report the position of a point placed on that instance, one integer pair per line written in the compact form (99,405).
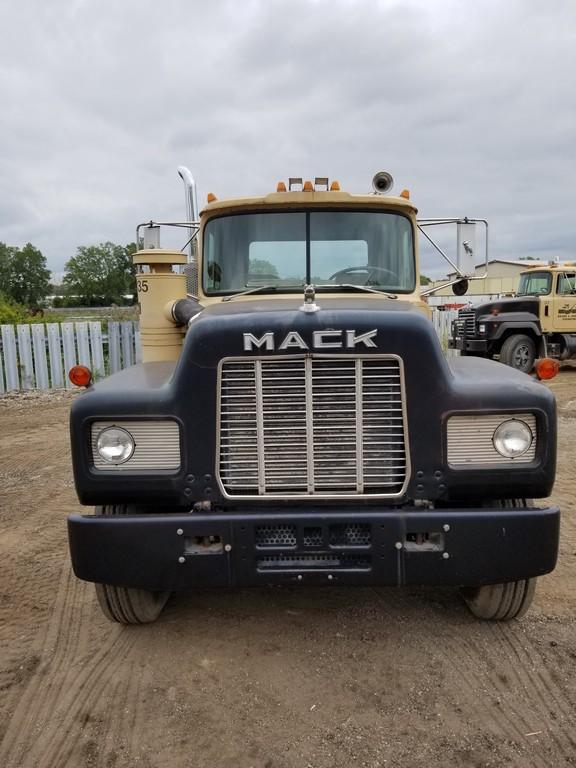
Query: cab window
(567,284)
(534,284)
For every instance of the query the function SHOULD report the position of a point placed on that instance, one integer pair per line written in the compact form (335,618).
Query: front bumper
(468,345)
(461,547)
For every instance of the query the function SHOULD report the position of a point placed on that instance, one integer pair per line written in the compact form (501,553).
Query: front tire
(518,351)
(502,602)
(127,605)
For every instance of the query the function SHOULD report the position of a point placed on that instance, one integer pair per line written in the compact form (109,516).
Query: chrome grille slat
(316,425)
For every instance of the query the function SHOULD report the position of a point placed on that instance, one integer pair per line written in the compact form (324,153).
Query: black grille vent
(350,535)
(276,536)
(300,562)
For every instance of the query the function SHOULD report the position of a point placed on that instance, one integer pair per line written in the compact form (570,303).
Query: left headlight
(115,445)
(512,438)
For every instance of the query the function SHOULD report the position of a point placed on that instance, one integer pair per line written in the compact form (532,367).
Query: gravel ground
(274,678)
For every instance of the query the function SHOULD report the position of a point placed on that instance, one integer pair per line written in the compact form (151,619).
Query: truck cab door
(564,303)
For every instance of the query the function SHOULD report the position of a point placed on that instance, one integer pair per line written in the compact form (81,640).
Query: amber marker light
(546,368)
(335,186)
(80,375)
(211,197)
(307,187)
(281,187)
(405,194)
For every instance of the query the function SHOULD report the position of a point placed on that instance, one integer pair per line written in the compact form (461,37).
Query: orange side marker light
(546,368)
(80,375)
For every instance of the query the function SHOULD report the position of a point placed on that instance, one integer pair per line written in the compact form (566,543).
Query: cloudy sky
(470,105)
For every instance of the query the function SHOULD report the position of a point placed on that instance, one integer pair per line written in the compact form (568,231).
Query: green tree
(425,280)
(24,276)
(101,274)
(262,267)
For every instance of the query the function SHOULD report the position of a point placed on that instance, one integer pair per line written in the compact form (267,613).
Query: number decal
(142,286)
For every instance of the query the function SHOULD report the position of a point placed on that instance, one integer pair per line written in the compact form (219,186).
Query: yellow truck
(540,321)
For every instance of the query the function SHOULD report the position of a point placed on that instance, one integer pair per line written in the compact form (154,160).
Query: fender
(521,322)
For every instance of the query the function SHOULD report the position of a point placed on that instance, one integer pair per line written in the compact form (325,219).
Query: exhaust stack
(192,215)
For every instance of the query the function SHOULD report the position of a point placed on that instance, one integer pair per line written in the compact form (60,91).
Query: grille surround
(312,457)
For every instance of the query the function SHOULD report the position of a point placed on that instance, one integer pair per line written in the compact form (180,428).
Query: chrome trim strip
(309,400)
(260,427)
(359,427)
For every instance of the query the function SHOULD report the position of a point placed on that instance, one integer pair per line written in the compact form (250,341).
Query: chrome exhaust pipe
(192,215)
(191,198)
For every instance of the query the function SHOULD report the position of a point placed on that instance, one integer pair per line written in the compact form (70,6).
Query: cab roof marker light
(335,186)
(211,197)
(307,187)
(281,187)
(405,194)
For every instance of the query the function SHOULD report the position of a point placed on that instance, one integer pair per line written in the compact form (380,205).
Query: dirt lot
(266,678)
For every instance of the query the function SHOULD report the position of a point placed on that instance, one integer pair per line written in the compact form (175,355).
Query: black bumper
(463,547)
(468,345)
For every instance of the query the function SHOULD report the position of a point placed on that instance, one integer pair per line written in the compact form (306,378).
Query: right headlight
(115,445)
(512,438)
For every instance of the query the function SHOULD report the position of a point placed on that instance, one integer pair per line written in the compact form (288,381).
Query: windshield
(534,283)
(291,249)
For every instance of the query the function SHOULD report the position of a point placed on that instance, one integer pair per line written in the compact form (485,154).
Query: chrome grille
(466,323)
(314,425)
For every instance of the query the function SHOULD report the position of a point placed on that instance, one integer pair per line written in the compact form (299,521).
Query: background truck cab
(540,321)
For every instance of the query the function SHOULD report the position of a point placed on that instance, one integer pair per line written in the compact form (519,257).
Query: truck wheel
(501,602)
(518,352)
(125,604)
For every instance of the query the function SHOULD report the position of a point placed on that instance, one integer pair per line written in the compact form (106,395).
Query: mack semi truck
(539,320)
(294,420)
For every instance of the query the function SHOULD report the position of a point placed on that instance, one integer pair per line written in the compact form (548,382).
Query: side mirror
(466,248)
(460,288)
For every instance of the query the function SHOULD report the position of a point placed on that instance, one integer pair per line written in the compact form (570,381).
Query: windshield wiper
(355,287)
(260,289)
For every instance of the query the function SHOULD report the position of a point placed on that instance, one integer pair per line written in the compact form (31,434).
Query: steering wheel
(371,272)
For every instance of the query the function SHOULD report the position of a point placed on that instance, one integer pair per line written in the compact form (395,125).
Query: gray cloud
(469,105)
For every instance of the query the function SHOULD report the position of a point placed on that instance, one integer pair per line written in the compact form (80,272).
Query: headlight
(482,328)
(512,438)
(115,445)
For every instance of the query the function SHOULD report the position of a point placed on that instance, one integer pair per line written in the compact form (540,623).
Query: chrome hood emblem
(309,300)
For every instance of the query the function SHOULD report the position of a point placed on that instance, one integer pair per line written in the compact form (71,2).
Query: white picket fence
(443,325)
(39,356)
